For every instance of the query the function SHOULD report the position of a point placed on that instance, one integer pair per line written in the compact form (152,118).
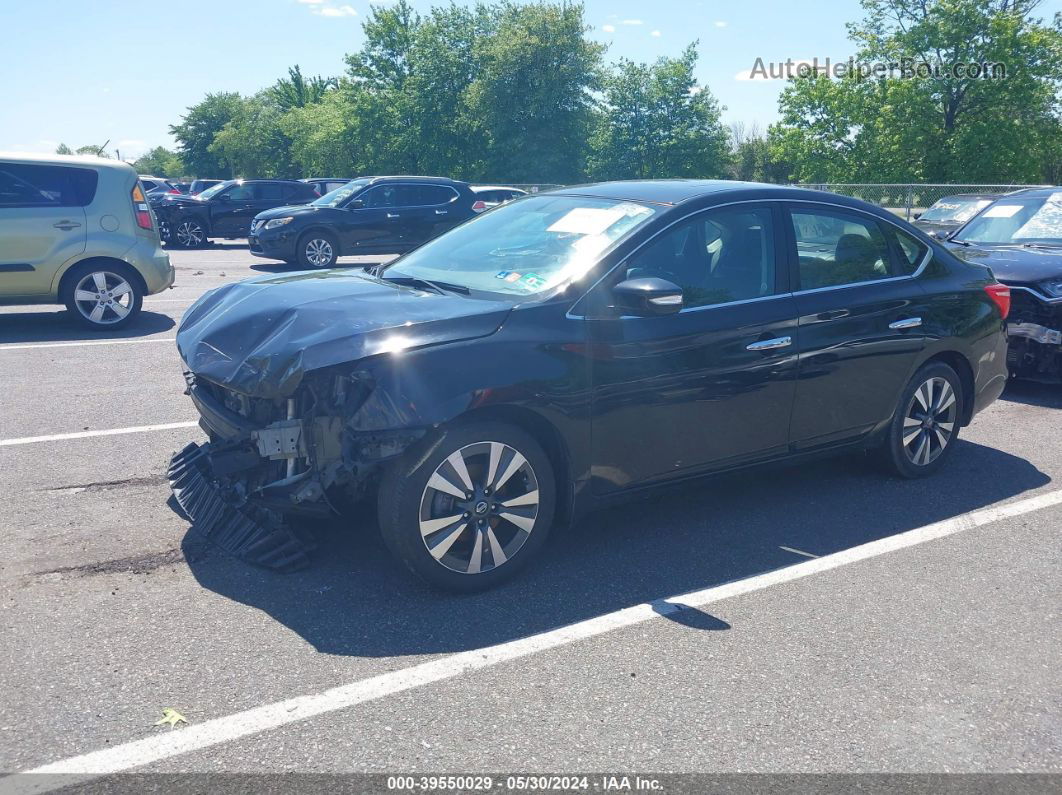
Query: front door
(711,386)
(860,321)
(42,224)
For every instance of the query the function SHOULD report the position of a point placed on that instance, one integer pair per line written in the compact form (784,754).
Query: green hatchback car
(78,231)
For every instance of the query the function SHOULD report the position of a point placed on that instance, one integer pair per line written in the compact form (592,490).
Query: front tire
(923,431)
(317,250)
(470,508)
(103,296)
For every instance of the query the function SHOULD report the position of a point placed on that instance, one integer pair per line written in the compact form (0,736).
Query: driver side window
(718,257)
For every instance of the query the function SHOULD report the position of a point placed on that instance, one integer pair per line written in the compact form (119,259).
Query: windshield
(214,190)
(955,209)
(334,197)
(1018,221)
(526,247)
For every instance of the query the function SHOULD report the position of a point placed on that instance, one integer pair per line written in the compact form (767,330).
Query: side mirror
(917,216)
(648,296)
(357,204)
(224,197)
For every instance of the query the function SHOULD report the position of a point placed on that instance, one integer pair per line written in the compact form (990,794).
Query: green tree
(63,149)
(297,91)
(751,156)
(252,143)
(160,162)
(941,127)
(196,131)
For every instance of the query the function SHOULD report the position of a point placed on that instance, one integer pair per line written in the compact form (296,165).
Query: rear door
(42,223)
(435,211)
(860,320)
(711,386)
(232,210)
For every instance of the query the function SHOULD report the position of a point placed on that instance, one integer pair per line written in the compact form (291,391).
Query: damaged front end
(1034,329)
(272,460)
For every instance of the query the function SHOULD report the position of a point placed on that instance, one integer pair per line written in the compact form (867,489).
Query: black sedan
(573,348)
(1020,239)
(370,215)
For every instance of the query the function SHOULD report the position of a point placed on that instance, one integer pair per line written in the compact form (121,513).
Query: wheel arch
(67,274)
(546,434)
(961,365)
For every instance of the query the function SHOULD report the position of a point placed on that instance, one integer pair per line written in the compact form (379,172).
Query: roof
(407,177)
(496,187)
(970,196)
(66,160)
(677,191)
(1036,192)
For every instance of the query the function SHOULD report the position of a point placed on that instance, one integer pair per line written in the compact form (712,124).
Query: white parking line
(82,344)
(271,716)
(58,437)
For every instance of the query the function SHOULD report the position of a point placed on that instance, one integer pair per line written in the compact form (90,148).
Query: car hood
(158,201)
(261,336)
(293,210)
(1014,264)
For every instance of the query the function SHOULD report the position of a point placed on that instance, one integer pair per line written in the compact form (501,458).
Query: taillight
(1000,295)
(141,209)
(174,190)
(479,206)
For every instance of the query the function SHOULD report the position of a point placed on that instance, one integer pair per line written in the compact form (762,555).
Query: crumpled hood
(1014,264)
(261,336)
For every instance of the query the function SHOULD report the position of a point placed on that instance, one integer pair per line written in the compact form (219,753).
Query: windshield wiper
(414,281)
(1041,245)
(960,242)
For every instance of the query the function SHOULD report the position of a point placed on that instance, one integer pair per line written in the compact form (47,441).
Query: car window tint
(436,194)
(240,192)
(381,196)
(27,185)
(836,248)
(720,256)
(269,191)
(912,252)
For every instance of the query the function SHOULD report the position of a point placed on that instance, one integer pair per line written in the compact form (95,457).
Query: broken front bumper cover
(1035,332)
(250,532)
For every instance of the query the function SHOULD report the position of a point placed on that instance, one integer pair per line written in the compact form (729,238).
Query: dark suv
(225,210)
(367,215)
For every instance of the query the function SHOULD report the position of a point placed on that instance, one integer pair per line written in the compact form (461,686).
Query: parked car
(157,185)
(572,348)
(182,186)
(489,196)
(78,231)
(367,215)
(946,215)
(1020,238)
(325,185)
(225,210)
(200,185)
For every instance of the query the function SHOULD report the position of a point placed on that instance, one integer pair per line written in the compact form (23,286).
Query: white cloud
(608,28)
(720,23)
(333,11)
(633,22)
(655,34)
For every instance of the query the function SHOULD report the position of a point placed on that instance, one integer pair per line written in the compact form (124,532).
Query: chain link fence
(907,200)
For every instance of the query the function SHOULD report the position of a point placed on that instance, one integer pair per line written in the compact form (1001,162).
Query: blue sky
(124,71)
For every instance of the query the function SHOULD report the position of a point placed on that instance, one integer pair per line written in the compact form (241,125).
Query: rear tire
(189,233)
(104,295)
(317,250)
(923,431)
(468,543)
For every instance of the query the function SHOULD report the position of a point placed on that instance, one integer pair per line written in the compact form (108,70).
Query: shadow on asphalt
(356,600)
(1032,393)
(59,326)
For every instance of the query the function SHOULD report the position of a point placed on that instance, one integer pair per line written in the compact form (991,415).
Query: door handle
(392,215)
(833,314)
(441,212)
(770,345)
(910,322)
(65,225)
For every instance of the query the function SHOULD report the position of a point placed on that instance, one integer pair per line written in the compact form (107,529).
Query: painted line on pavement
(58,437)
(216,731)
(83,344)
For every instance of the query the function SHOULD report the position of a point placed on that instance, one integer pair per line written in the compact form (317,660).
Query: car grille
(255,225)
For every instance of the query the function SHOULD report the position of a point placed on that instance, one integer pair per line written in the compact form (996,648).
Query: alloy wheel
(190,234)
(103,298)
(929,423)
(479,507)
(318,252)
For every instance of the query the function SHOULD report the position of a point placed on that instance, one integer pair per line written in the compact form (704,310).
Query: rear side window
(269,191)
(838,248)
(30,185)
(436,194)
(911,252)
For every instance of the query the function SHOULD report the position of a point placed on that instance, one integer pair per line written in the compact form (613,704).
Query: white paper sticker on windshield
(586,220)
(1002,210)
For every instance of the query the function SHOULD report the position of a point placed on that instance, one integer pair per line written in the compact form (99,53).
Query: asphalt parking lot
(931,650)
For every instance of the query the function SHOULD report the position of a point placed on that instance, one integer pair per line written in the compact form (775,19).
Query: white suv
(78,231)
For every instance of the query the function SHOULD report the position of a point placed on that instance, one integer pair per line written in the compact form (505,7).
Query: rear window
(31,185)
